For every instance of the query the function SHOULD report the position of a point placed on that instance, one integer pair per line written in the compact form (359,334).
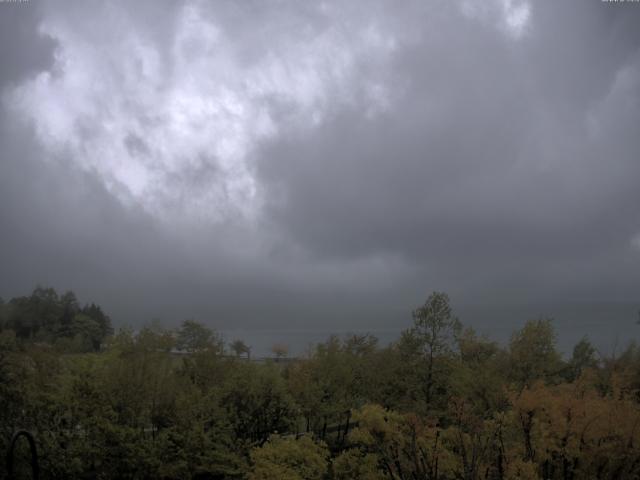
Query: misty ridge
(320,240)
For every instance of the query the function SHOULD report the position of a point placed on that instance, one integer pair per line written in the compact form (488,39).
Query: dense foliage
(45,316)
(440,403)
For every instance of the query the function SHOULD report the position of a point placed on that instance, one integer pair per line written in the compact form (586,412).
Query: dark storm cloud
(498,157)
(323,164)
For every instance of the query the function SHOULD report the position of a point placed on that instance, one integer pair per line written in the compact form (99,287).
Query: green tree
(356,464)
(257,402)
(3,314)
(434,333)
(404,446)
(69,309)
(194,336)
(97,314)
(199,441)
(584,357)
(289,459)
(240,348)
(46,317)
(479,376)
(11,386)
(533,353)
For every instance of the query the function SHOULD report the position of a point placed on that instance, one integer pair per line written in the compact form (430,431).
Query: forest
(440,403)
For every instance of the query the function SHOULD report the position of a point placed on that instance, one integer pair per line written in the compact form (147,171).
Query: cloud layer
(271,164)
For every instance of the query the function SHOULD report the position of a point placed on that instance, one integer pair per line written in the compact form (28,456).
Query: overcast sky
(325,165)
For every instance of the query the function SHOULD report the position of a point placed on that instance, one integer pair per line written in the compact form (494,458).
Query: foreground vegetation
(440,403)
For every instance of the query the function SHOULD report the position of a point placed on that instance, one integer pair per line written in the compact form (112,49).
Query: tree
(257,402)
(194,336)
(584,357)
(533,353)
(240,348)
(96,313)
(82,334)
(45,317)
(479,375)
(403,446)
(353,463)
(327,385)
(289,459)
(435,329)
(11,386)
(70,308)
(199,441)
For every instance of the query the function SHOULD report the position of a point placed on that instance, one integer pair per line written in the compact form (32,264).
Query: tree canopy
(440,403)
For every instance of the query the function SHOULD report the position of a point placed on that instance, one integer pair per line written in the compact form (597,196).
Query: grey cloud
(23,49)
(467,156)
(444,152)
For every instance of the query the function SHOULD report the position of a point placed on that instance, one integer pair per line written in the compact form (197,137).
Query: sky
(289,166)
